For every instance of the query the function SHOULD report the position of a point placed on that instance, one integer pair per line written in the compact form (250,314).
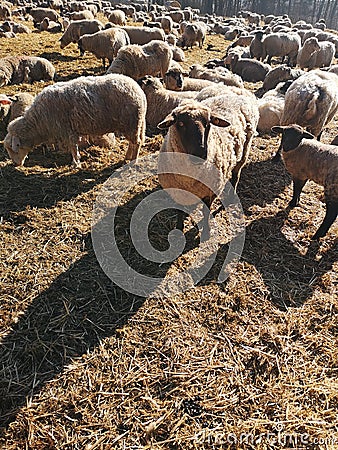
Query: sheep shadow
(44,190)
(81,307)
(57,56)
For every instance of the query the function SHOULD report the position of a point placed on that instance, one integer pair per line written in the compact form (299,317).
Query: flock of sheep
(208,113)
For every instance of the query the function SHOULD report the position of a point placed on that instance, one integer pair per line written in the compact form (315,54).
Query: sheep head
(16,149)
(292,136)
(192,126)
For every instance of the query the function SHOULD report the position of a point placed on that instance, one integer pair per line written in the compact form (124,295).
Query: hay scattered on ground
(250,363)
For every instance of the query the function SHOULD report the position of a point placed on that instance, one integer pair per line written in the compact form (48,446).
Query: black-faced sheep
(307,159)
(137,61)
(93,106)
(219,132)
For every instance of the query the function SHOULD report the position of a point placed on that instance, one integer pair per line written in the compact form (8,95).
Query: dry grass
(85,365)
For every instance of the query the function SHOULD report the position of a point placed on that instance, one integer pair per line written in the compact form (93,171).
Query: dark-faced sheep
(307,159)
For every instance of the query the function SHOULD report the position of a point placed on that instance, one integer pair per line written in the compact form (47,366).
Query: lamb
(143,35)
(78,28)
(117,17)
(104,44)
(160,101)
(94,106)
(307,159)
(25,69)
(281,44)
(271,107)
(136,61)
(217,132)
(315,54)
(11,108)
(248,69)
(224,76)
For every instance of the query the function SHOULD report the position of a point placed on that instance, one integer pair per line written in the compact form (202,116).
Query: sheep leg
(330,217)
(297,189)
(76,156)
(132,152)
(207,201)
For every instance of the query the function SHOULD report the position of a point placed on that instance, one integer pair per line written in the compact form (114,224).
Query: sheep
(81,15)
(242,41)
(312,101)
(226,77)
(271,107)
(78,28)
(143,35)
(307,159)
(136,61)
(38,14)
(178,54)
(15,27)
(25,69)
(160,101)
(167,24)
(5,12)
(315,54)
(50,26)
(218,131)
(242,52)
(277,75)
(256,45)
(104,44)
(247,69)
(11,108)
(281,44)
(63,112)
(194,32)
(175,81)
(117,17)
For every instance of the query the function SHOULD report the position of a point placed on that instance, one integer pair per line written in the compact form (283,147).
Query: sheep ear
(307,135)
(167,122)
(219,121)
(277,129)
(15,144)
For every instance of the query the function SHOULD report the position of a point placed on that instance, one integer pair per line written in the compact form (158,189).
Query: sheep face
(292,136)
(174,80)
(192,128)
(15,150)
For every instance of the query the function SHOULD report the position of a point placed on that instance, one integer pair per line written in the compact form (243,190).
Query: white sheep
(283,45)
(117,17)
(217,75)
(271,107)
(219,132)
(25,69)
(175,81)
(11,108)
(77,29)
(93,106)
(136,61)
(143,35)
(193,32)
(104,44)
(315,54)
(307,159)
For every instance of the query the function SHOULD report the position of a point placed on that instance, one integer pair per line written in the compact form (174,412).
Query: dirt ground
(248,363)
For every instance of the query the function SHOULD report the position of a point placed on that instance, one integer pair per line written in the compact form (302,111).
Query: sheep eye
(180,124)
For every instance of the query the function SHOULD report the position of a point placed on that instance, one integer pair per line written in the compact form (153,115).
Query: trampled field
(249,363)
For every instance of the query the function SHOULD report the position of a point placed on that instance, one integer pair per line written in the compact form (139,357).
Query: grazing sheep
(218,131)
(248,69)
(38,14)
(193,32)
(93,106)
(307,159)
(77,29)
(217,76)
(25,69)
(283,45)
(104,44)
(136,61)
(143,35)
(315,54)
(117,17)
(160,101)
(11,108)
